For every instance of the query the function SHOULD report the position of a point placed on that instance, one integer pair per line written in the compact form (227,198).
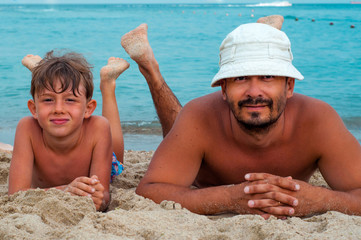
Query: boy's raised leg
(108,75)
(30,61)
(136,44)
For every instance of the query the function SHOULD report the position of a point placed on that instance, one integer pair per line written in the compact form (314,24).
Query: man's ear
(223,84)
(290,87)
(32,108)
(90,107)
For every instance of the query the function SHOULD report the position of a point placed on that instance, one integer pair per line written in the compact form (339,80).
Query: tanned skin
(62,145)
(246,170)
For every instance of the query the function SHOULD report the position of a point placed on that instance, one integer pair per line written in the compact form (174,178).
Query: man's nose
(254,88)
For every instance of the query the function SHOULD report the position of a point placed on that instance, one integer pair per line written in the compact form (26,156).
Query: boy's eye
(47,100)
(70,100)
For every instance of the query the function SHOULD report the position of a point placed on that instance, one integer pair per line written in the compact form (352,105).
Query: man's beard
(255,124)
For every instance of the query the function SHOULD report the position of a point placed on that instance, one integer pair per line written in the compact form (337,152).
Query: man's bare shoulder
(309,108)
(314,118)
(208,104)
(201,119)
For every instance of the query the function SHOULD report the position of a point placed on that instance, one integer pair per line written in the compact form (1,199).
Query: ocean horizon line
(182,4)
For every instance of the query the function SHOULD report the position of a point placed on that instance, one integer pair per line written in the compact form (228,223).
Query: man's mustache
(255,101)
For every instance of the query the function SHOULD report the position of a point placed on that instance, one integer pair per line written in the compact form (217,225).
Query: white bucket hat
(255,49)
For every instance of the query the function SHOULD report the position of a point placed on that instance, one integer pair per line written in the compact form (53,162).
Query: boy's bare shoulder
(29,123)
(95,119)
(96,124)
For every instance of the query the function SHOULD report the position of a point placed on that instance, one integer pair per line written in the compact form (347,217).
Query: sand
(53,214)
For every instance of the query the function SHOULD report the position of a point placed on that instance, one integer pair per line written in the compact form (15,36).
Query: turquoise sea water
(185,40)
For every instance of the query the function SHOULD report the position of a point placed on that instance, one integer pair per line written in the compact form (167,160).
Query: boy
(61,145)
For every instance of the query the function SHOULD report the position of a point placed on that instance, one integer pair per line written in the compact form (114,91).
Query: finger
(82,187)
(271,199)
(98,187)
(86,180)
(76,191)
(283,182)
(98,194)
(280,211)
(95,177)
(262,203)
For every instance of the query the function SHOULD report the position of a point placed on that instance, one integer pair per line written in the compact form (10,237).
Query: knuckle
(278,180)
(274,195)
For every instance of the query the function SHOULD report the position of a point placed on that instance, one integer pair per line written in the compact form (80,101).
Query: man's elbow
(140,190)
(147,190)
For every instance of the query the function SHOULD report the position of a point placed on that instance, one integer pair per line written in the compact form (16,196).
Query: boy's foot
(30,61)
(110,72)
(136,44)
(275,21)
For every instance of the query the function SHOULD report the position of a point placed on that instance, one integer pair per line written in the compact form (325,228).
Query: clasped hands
(281,197)
(85,186)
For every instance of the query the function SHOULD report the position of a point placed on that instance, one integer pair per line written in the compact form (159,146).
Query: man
(251,147)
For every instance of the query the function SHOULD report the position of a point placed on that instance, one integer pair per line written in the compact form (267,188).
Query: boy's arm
(21,166)
(101,162)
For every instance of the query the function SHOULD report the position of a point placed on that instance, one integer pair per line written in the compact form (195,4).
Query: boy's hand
(82,186)
(98,195)
(91,187)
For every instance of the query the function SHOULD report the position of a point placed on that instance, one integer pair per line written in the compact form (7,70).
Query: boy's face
(61,114)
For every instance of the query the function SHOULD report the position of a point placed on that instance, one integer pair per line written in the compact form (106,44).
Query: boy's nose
(59,107)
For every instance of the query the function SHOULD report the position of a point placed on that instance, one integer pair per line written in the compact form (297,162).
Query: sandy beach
(53,214)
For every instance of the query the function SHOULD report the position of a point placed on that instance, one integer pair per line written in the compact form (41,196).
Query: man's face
(257,102)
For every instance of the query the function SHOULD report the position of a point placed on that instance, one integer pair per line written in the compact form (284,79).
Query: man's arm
(175,166)
(339,163)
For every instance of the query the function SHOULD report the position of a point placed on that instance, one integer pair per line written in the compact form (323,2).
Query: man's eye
(240,78)
(268,77)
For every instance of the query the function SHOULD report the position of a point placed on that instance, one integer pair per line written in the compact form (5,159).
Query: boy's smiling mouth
(59,121)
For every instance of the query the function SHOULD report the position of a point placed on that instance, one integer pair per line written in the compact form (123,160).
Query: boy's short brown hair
(70,69)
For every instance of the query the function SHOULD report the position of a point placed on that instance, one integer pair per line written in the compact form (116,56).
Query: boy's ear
(90,107)
(32,108)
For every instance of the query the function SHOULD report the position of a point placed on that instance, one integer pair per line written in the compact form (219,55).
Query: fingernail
(297,187)
(246,189)
(247,176)
(93,190)
(291,211)
(295,202)
(89,195)
(250,203)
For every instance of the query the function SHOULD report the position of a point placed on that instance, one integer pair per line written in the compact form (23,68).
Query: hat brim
(256,68)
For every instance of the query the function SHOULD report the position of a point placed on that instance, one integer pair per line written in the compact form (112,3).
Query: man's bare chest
(228,166)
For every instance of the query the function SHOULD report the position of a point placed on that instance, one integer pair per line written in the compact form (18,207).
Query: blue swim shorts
(117,168)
